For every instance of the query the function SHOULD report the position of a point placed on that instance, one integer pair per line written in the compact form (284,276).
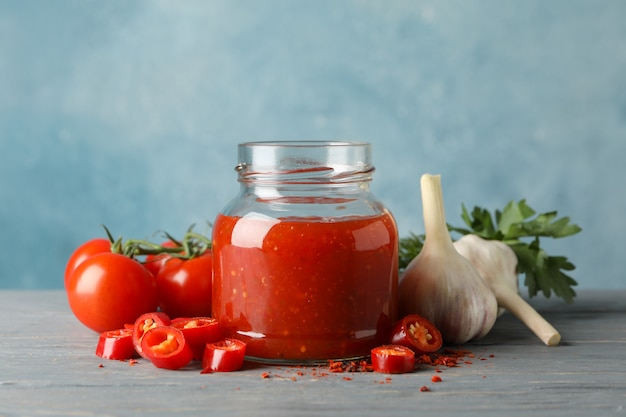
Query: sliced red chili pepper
(224,356)
(417,333)
(393,359)
(198,331)
(166,348)
(116,344)
(144,323)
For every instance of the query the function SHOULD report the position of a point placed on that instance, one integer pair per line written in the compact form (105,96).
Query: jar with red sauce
(305,257)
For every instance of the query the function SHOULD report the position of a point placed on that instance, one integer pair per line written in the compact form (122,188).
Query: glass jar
(305,257)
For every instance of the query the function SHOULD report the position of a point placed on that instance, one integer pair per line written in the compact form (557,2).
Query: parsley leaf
(544,273)
(515,225)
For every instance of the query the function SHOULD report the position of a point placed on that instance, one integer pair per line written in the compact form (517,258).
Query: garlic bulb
(496,263)
(442,285)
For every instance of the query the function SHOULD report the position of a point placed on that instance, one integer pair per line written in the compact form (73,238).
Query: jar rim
(306,143)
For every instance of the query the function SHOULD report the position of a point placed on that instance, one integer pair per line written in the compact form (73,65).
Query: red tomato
(166,347)
(198,331)
(145,322)
(393,359)
(84,251)
(185,286)
(417,333)
(116,344)
(108,290)
(224,356)
(154,263)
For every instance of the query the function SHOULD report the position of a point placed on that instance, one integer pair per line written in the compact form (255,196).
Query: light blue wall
(128,113)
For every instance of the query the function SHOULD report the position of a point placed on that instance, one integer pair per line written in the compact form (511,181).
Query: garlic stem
(514,303)
(435,225)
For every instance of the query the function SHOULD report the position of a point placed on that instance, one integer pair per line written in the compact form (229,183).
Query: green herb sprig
(518,226)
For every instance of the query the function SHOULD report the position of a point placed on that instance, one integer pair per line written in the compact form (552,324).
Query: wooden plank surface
(48,368)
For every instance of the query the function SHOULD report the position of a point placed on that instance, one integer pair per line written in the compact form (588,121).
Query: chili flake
(335,366)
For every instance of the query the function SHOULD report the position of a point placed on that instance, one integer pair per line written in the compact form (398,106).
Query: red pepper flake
(448,357)
(424,359)
(266,375)
(348,366)
(424,388)
(101,366)
(447,361)
(347,378)
(436,378)
(335,366)
(132,362)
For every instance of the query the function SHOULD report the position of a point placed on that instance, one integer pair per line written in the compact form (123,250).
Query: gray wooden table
(48,368)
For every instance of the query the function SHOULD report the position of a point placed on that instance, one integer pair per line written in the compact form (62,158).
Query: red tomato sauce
(305,289)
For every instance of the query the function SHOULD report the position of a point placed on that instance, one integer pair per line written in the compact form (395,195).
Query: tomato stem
(191,246)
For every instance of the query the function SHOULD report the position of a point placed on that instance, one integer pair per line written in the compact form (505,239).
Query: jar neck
(268,190)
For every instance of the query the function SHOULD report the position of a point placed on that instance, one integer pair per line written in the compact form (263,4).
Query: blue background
(127,113)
